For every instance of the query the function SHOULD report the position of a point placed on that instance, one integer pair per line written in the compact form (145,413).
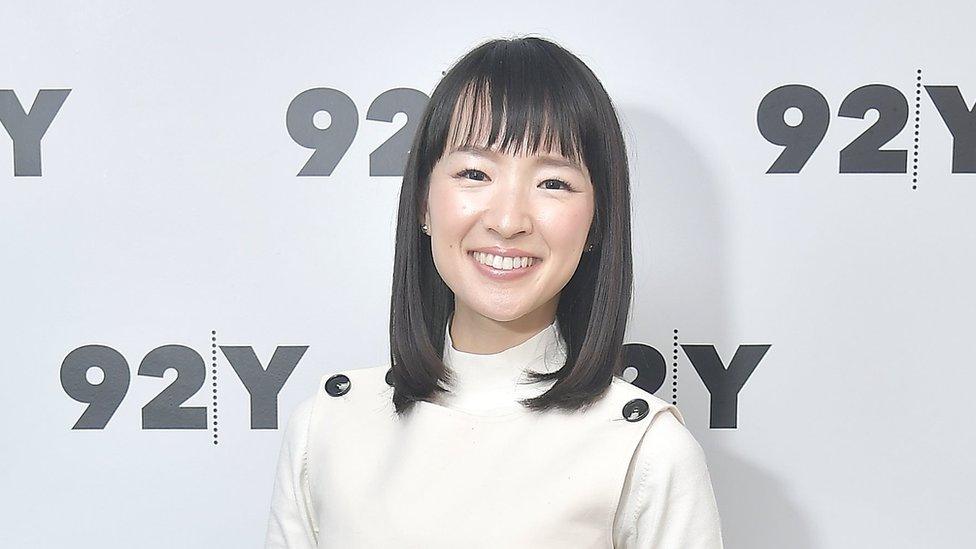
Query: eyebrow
(555,161)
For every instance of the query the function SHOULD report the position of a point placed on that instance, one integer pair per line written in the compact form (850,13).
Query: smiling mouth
(503,263)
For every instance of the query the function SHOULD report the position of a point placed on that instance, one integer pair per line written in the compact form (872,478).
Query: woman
(502,422)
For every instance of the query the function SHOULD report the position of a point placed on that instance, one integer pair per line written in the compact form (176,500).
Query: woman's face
(537,205)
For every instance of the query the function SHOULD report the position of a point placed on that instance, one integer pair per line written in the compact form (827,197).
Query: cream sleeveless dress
(476,470)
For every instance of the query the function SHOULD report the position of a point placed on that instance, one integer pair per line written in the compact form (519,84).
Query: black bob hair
(542,95)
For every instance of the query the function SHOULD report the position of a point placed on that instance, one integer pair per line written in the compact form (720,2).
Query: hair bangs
(481,117)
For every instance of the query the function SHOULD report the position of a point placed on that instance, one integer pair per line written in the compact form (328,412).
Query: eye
(471,173)
(464,173)
(560,181)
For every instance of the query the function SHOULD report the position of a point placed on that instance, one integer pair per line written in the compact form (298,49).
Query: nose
(509,211)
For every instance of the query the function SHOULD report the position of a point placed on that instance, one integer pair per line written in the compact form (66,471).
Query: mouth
(503,268)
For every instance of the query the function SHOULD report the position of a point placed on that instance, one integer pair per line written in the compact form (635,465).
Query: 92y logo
(165,411)
(864,154)
(331,143)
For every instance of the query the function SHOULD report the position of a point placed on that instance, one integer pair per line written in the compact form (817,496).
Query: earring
(425,229)
(589,248)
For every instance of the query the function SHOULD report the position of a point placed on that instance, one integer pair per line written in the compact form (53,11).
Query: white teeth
(503,263)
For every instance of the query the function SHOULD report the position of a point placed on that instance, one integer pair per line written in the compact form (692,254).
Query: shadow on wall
(680,281)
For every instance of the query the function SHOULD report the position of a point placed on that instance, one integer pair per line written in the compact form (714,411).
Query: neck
(493,382)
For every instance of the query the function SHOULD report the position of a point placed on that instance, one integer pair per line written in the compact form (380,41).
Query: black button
(636,409)
(389,377)
(337,385)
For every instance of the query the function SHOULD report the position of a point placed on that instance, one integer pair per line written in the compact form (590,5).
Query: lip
(502,275)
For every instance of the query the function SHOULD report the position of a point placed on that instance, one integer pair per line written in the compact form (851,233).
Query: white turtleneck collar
(493,383)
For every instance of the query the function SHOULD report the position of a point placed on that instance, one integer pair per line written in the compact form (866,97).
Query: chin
(502,313)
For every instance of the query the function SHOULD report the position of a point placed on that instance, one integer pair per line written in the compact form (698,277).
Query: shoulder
(364,379)
(668,497)
(352,383)
(666,447)
(353,394)
(296,426)
(636,403)
(666,432)
(668,442)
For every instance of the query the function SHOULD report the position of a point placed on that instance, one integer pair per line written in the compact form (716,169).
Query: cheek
(450,212)
(566,227)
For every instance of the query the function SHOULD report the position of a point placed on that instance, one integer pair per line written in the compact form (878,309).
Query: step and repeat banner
(197,209)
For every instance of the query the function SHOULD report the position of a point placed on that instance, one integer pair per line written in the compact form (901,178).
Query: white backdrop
(161,222)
